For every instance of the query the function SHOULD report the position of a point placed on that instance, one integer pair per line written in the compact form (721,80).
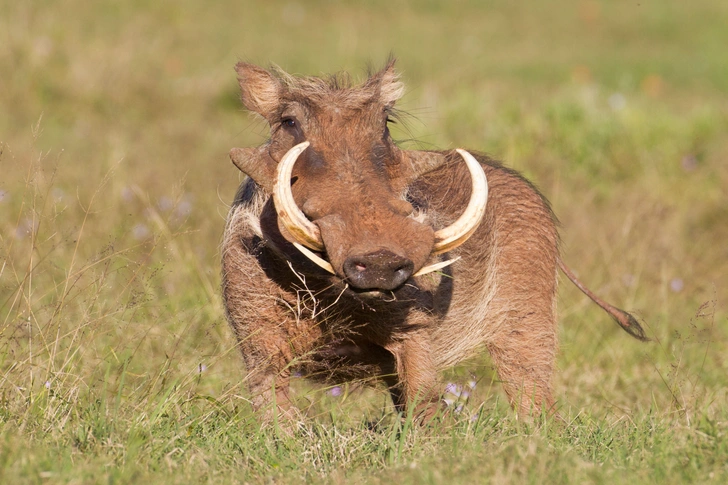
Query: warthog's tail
(624,319)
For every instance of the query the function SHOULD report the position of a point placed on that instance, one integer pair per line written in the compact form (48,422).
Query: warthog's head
(339,182)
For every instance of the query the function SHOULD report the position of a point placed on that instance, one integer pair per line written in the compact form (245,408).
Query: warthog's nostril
(381,270)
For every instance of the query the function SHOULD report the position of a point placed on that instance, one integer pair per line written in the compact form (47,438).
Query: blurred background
(116,118)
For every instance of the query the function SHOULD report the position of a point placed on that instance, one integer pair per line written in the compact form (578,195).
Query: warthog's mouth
(407,292)
(372,294)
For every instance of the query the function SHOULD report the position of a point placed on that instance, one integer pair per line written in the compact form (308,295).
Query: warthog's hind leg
(524,356)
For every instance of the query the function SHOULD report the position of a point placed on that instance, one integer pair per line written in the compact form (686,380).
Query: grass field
(116,363)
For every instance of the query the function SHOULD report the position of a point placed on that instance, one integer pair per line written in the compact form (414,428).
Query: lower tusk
(316,259)
(436,266)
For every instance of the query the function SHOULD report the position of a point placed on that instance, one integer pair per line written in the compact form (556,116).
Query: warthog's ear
(260,89)
(256,164)
(386,84)
(416,163)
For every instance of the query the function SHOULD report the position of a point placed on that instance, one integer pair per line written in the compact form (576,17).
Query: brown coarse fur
(375,203)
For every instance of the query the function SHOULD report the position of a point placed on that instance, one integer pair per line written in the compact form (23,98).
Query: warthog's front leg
(415,387)
(269,331)
(267,378)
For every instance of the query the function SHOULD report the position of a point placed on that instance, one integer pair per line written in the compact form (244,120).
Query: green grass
(116,363)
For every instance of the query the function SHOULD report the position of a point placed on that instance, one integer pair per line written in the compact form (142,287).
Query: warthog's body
(378,210)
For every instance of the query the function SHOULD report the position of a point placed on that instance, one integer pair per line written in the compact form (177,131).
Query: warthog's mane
(383,86)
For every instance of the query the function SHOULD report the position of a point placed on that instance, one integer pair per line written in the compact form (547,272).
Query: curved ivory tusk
(435,267)
(313,257)
(458,232)
(298,226)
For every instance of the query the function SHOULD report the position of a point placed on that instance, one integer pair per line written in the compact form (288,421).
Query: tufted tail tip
(630,324)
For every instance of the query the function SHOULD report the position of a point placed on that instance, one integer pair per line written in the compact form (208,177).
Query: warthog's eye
(288,123)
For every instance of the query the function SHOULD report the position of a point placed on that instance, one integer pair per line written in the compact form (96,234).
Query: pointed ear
(259,88)
(256,164)
(390,88)
(416,163)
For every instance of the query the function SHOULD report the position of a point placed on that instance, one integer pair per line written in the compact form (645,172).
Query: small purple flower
(336,391)
(47,384)
(184,208)
(201,368)
(677,285)
(456,395)
(629,280)
(140,231)
(689,163)
(453,389)
(165,203)
(127,194)
(58,194)
(26,228)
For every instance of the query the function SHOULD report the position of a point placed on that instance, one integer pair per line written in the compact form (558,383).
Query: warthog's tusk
(298,226)
(435,267)
(314,258)
(458,232)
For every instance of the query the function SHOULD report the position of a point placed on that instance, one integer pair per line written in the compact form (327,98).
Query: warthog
(346,257)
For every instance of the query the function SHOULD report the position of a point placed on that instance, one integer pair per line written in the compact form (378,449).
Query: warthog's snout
(378,270)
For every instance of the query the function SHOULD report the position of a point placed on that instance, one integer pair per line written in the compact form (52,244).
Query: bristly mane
(383,86)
